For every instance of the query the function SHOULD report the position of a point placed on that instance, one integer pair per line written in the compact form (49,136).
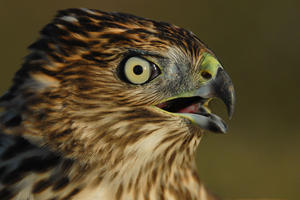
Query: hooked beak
(221,87)
(194,105)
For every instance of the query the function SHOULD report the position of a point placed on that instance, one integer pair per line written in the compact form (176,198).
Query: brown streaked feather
(72,129)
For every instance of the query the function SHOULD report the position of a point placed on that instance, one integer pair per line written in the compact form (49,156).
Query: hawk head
(107,88)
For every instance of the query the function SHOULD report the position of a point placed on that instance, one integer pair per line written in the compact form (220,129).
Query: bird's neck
(169,172)
(149,184)
(154,164)
(167,176)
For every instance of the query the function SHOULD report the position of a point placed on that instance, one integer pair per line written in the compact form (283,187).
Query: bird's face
(163,69)
(99,81)
(170,83)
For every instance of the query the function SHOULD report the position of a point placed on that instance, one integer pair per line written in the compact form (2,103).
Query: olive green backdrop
(258,43)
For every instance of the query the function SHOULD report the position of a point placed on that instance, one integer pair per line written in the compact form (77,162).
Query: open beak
(194,105)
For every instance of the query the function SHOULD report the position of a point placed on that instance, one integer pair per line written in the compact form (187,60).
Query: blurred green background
(258,43)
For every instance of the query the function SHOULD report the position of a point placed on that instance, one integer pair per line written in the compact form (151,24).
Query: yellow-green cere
(209,65)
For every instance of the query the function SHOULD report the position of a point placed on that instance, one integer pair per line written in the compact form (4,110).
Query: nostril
(206,75)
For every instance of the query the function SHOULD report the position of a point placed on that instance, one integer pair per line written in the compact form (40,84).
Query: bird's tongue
(190,109)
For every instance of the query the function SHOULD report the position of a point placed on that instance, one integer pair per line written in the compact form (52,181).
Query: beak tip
(225,91)
(230,107)
(230,114)
(230,100)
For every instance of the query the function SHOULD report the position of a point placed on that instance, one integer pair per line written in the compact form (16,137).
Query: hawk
(110,106)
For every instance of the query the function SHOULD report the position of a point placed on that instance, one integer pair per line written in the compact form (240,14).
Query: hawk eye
(139,70)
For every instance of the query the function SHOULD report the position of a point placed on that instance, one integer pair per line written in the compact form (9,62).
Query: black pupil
(138,69)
